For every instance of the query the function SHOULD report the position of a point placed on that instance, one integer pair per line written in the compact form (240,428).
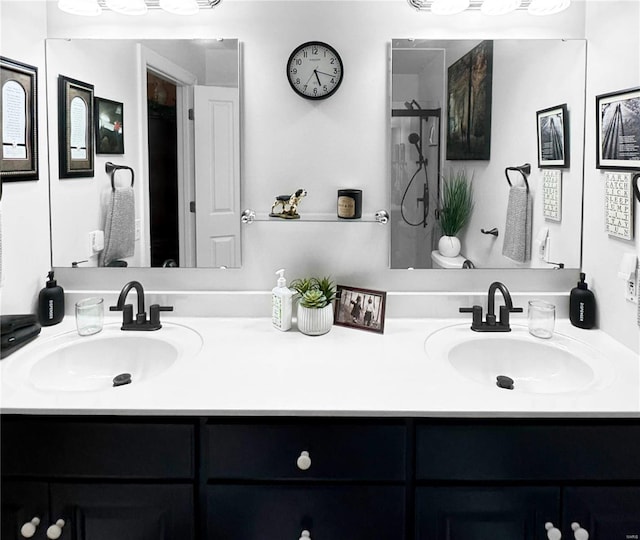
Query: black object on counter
(51,303)
(17,330)
(582,305)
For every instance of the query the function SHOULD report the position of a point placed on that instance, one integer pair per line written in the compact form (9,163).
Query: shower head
(414,138)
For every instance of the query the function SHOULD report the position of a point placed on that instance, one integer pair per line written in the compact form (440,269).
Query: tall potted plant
(457,206)
(315,308)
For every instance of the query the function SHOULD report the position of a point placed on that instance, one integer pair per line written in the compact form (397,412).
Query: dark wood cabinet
(23,501)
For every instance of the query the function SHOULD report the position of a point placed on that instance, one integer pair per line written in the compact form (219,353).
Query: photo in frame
(109,127)
(363,309)
(469,91)
(618,130)
(553,137)
(19,158)
(75,128)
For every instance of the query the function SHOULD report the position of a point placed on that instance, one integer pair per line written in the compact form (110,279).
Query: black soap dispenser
(51,303)
(582,305)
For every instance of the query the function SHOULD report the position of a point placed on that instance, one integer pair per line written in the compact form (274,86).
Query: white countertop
(246,367)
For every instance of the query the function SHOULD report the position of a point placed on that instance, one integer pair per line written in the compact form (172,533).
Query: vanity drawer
(54,447)
(345,451)
(536,450)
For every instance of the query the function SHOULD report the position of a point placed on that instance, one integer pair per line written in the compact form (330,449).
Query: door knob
(552,532)
(55,531)
(29,528)
(578,532)
(304,461)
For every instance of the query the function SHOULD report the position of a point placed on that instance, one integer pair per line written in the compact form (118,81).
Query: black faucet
(490,324)
(141,323)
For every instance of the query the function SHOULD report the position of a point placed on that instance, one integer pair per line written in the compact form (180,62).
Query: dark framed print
(469,91)
(19,120)
(109,127)
(618,130)
(75,128)
(553,137)
(363,309)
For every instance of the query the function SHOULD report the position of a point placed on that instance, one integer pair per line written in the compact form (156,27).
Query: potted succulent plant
(315,308)
(457,206)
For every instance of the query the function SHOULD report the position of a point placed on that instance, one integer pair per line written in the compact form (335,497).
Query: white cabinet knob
(303,462)
(29,528)
(552,532)
(55,531)
(578,532)
(305,535)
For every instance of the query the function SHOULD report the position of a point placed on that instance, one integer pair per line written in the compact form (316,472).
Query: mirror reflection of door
(163,172)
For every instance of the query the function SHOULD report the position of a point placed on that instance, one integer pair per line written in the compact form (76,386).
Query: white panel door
(217,176)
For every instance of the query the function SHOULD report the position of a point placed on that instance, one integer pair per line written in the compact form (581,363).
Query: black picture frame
(618,130)
(469,94)
(19,86)
(75,128)
(347,313)
(553,137)
(109,126)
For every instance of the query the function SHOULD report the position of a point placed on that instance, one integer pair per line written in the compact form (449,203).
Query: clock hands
(323,73)
(316,73)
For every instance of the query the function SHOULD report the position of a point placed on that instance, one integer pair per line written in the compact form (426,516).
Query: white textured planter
(449,246)
(315,322)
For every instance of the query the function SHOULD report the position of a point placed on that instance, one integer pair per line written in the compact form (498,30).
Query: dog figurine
(289,205)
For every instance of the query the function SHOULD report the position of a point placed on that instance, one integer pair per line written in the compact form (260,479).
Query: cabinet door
(134,512)
(283,512)
(476,513)
(607,513)
(21,502)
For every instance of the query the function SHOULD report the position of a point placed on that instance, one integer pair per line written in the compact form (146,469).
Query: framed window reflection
(19,157)
(75,128)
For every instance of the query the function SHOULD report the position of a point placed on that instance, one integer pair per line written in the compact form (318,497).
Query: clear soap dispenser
(282,302)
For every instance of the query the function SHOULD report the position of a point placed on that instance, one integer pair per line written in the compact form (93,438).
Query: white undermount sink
(72,363)
(541,366)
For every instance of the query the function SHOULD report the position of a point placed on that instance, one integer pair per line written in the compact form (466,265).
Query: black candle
(350,203)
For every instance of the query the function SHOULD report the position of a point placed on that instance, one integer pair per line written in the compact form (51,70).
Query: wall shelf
(381,216)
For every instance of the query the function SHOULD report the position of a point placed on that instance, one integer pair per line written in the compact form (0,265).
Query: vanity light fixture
(180,7)
(88,8)
(127,7)
(491,7)
(135,7)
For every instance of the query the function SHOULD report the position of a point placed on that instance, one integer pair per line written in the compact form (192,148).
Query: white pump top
(282,281)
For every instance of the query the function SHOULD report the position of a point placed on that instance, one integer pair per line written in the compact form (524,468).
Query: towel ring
(111,169)
(524,170)
(634,183)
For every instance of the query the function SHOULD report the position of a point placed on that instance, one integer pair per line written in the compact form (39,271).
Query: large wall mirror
(166,114)
(482,109)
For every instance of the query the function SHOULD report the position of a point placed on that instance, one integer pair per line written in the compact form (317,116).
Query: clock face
(314,70)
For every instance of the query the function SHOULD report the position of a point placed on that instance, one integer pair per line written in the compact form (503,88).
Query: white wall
(613,64)
(25,205)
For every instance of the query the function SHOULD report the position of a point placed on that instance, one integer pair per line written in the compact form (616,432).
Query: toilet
(440,261)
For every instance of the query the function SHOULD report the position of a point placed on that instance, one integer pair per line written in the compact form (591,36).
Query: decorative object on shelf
(19,124)
(363,309)
(315,70)
(469,104)
(75,128)
(553,137)
(315,309)
(135,7)
(552,194)
(349,203)
(618,130)
(289,204)
(109,118)
(491,7)
(618,205)
(457,206)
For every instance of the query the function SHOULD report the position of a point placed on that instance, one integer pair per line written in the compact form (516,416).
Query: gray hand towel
(119,228)
(517,236)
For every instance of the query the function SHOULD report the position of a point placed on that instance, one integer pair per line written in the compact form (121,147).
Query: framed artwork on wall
(19,158)
(618,130)
(469,90)
(619,204)
(75,128)
(553,137)
(109,117)
(363,309)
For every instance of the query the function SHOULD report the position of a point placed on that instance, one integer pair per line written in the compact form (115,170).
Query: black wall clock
(314,70)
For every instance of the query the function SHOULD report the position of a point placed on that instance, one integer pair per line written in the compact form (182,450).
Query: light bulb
(449,7)
(180,7)
(128,7)
(499,7)
(548,7)
(80,7)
